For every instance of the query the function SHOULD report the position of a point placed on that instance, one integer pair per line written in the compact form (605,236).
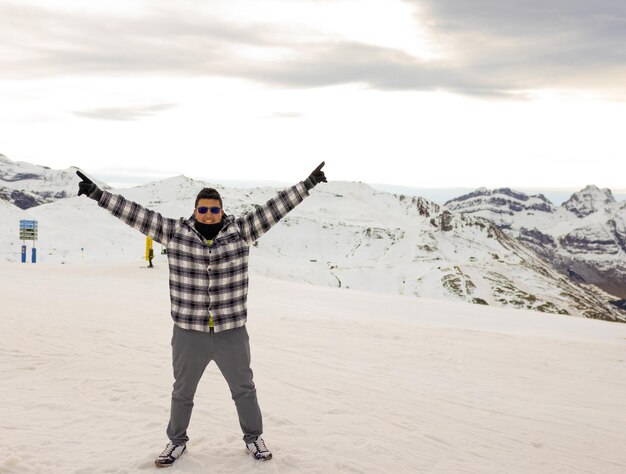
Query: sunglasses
(204,210)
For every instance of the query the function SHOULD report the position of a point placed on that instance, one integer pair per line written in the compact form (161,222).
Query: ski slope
(348,381)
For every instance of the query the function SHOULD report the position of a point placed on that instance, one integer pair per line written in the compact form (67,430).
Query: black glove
(317,176)
(88,187)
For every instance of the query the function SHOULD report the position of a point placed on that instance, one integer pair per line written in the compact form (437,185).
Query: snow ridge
(584,238)
(349,235)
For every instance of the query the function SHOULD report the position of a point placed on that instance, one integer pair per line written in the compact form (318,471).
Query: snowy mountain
(26,185)
(503,201)
(584,238)
(345,234)
(589,201)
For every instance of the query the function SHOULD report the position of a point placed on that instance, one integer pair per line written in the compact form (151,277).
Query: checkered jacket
(207,279)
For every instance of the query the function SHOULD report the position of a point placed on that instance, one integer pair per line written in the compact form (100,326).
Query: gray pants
(191,353)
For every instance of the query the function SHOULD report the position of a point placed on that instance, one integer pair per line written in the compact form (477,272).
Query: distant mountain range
(495,247)
(26,185)
(584,238)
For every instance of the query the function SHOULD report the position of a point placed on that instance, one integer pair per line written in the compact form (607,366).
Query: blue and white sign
(25,224)
(28,230)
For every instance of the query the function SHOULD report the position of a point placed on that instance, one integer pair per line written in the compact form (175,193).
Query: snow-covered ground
(348,381)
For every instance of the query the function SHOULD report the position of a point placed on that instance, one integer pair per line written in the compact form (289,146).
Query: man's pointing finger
(83,177)
(319,168)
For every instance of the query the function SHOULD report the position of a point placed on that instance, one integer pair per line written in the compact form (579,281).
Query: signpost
(28,231)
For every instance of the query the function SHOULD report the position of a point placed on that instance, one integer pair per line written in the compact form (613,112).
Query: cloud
(535,43)
(123,113)
(490,48)
(41,41)
(285,115)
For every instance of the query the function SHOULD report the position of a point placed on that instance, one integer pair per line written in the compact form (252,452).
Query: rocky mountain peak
(500,201)
(589,200)
(26,185)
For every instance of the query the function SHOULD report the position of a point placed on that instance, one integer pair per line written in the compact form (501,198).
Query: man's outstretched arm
(148,222)
(254,224)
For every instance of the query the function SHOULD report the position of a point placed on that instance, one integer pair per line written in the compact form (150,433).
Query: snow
(345,234)
(38,179)
(348,381)
(586,233)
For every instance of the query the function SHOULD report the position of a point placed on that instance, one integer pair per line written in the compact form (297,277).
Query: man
(208,261)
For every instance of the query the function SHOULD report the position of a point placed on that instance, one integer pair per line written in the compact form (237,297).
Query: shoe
(259,450)
(170,454)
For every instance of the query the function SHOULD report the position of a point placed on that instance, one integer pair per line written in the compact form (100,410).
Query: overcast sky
(425,93)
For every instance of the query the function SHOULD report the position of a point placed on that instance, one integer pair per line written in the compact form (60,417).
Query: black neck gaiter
(209,231)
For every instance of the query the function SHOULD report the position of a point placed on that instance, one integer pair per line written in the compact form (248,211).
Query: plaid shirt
(207,279)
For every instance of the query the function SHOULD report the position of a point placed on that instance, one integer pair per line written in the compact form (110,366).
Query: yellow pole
(148,247)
